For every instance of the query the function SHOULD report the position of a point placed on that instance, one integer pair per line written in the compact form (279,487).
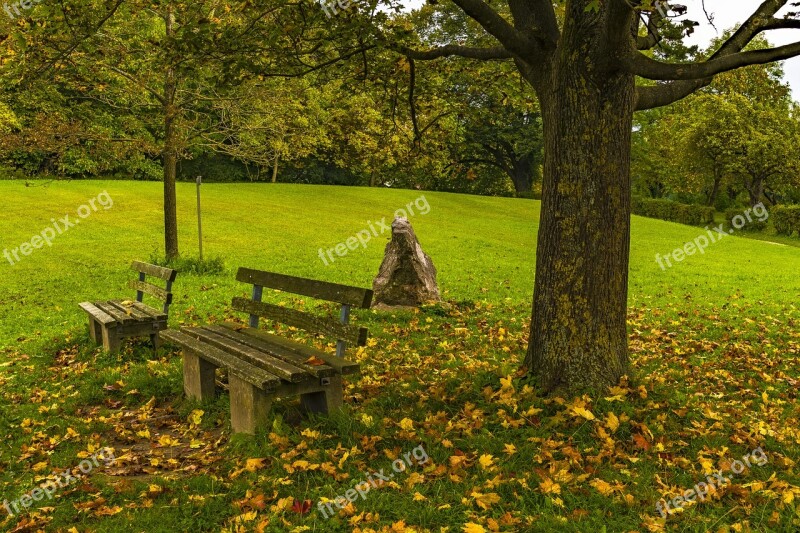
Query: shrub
(751,220)
(693,215)
(786,219)
(212,266)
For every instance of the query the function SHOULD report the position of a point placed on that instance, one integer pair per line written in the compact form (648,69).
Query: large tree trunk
(578,336)
(755,189)
(170,159)
(521,175)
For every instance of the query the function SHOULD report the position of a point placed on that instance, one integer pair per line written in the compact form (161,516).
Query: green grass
(710,337)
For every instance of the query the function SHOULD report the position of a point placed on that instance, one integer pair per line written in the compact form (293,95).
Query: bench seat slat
(322,290)
(167,274)
(242,369)
(98,314)
(118,315)
(302,320)
(229,330)
(158,314)
(272,365)
(342,366)
(130,310)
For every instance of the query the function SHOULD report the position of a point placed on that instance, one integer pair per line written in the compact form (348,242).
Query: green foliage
(214,168)
(786,219)
(693,215)
(752,223)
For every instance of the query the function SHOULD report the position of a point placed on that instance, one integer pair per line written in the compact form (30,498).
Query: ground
(715,342)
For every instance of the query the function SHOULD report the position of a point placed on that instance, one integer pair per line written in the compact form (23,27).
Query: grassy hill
(714,340)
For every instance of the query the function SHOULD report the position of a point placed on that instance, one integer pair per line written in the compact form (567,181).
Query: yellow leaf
(602,487)
(484,501)
(548,486)
(196,417)
(343,459)
(419,497)
(251,465)
(166,440)
(310,433)
(510,449)
(407,424)
(582,411)
(472,527)
(612,422)
(486,461)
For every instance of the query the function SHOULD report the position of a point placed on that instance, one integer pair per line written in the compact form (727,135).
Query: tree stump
(407,277)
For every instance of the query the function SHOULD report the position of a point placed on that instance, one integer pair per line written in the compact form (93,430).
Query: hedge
(786,219)
(749,217)
(694,215)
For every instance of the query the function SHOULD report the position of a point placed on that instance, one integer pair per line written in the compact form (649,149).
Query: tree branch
(665,94)
(537,18)
(646,42)
(498,27)
(641,65)
(653,96)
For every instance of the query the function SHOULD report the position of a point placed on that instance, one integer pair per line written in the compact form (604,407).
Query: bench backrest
(345,295)
(166,274)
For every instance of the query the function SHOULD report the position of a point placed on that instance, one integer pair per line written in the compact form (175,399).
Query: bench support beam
(330,398)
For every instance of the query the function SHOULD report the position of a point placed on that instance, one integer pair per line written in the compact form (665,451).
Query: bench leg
(330,399)
(155,340)
(111,341)
(249,406)
(94,331)
(198,377)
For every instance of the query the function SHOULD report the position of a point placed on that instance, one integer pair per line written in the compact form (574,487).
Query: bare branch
(761,20)
(497,52)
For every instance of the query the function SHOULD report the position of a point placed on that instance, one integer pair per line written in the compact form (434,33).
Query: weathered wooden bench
(111,321)
(262,366)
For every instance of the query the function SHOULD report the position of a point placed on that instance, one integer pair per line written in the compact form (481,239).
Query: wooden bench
(113,320)
(263,366)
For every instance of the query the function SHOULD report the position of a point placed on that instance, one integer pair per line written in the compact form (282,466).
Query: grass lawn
(715,342)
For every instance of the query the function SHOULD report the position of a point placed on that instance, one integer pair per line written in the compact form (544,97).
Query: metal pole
(199,219)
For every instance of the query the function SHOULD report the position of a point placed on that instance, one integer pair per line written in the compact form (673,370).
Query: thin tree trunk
(712,197)
(170,159)
(275,169)
(578,336)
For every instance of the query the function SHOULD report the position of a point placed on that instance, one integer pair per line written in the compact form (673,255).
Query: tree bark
(578,336)
(755,189)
